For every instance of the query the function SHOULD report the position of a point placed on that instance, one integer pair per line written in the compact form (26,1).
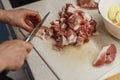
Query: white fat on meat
(87,16)
(76,7)
(41,33)
(76,27)
(72,39)
(71,10)
(63,26)
(56,22)
(62,19)
(78,21)
(50,33)
(44,32)
(64,41)
(101,53)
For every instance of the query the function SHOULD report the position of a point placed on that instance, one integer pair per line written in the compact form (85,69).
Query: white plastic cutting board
(76,63)
(73,63)
(113,72)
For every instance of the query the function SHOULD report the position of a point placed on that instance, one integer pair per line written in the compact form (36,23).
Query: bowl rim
(112,23)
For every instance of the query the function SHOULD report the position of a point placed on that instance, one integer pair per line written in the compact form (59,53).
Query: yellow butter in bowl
(113,11)
(118,17)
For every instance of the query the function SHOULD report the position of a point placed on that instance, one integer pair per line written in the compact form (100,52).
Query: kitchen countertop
(40,68)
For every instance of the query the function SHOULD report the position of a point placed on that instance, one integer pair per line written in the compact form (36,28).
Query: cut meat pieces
(74,27)
(44,32)
(89,4)
(106,55)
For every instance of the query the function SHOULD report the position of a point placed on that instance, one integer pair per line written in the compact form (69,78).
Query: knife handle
(4,73)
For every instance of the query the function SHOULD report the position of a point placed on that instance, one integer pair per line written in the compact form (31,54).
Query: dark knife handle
(4,73)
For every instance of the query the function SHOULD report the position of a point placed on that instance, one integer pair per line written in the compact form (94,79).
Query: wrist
(3,16)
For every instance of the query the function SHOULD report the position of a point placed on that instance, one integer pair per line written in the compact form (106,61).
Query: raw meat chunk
(106,56)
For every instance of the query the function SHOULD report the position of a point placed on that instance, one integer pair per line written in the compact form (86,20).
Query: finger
(34,21)
(27,26)
(31,20)
(35,17)
(26,55)
(38,17)
(34,13)
(28,22)
(28,46)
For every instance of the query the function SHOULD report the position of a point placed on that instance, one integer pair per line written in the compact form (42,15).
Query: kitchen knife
(35,30)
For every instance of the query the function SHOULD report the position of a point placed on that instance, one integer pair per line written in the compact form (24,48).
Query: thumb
(28,46)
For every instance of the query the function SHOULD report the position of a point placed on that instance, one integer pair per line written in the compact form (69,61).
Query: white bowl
(103,7)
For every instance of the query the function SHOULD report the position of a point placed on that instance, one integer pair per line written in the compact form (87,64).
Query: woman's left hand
(24,18)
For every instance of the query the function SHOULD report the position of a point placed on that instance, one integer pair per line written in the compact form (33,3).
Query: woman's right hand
(13,54)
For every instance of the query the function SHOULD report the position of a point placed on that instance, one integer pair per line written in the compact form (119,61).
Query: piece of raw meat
(44,32)
(89,4)
(106,56)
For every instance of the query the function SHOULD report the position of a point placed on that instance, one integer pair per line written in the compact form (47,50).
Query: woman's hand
(24,18)
(13,54)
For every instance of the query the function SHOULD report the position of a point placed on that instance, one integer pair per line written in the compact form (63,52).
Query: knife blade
(35,30)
